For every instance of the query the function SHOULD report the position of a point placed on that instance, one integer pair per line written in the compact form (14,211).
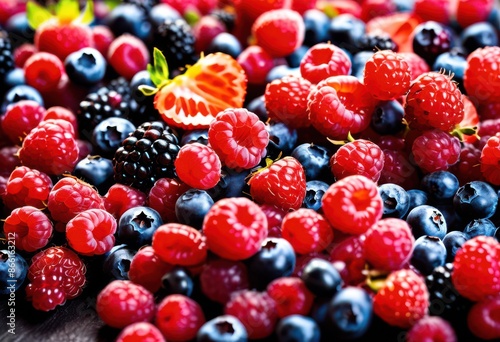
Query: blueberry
(428,253)
(258,107)
(395,199)
(13,271)
(96,170)
(19,30)
(478,35)
(195,135)
(387,117)
(452,62)
(227,43)
(129,18)
(21,92)
(137,225)
(275,259)
(161,12)
(315,190)
(314,158)
(141,78)
(14,78)
(192,206)
(479,227)
(86,66)
(224,328)
(296,328)
(280,71)
(322,278)
(117,261)
(345,31)
(453,241)
(476,199)
(350,313)
(177,281)
(440,185)
(284,137)
(293,60)
(316,24)
(417,197)
(358,63)
(427,220)
(108,135)
(497,234)
(231,184)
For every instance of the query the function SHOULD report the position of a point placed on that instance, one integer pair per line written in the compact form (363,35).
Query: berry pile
(271,170)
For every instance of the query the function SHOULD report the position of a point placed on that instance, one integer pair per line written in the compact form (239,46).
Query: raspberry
(179,318)
(274,219)
(358,157)
(376,8)
(476,271)
(128,55)
(286,101)
(45,292)
(256,310)
(434,101)
(91,232)
(22,53)
(235,228)
(398,170)
(388,244)
(178,244)
(103,37)
(437,10)
(469,12)
(487,128)
(239,138)
(147,269)
(256,63)
(219,278)
(323,60)
(58,112)
(468,167)
(27,186)
(32,229)
(403,300)
(69,197)
(417,64)
(120,198)
(284,23)
(488,110)
(121,303)
(435,150)
(432,328)
(252,10)
(350,252)
(140,331)
(483,320)
(387,75)
(352,204)
(339,105)
(50,148)
(291,296)
(306,230)
(20,118)
(282,184)
(10,159)
(164,194)
(43,71)
(489,159)
(198,166)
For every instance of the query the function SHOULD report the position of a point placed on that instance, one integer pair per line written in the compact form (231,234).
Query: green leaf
(112,3)
(154,77)
(161,66)
(87,15)
(36,14)
(67,10)
(147,90)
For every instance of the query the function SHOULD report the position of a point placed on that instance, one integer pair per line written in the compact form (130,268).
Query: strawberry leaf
(67,10)
(147,90)
(87,15)
(159,70)
(112,3)
(36,14)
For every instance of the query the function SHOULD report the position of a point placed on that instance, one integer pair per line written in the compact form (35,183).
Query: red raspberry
(286,101)
(27,186)
(164,194)
(431,328)
(436,10)
(468,167)
(198,166)
(350,251)
(489,160)
(179,318)
(20,118)
(434,101)
(32,229)
(256,63)
(219,278)
(481,76)
(122,303)
(128,55)
(43,71)
(352,204)
(239,138)
(339,105)
(178,244)
(483,320)
(205,30)
(282,184)
(476,271)
(103,37)
(324,60)
(58,112)
(120,198)
(10,159)
(307,231)
(388,244)
(398,170)
(284,23)
(435,150)
(235,228)
(469,12)
(487,128)
(387,75)
(140,331)
(147,269)
(91,232)
(22,53)
(291,296)
(488,110)
(251,10)
(182,6)
(417,64)
(45,292)
(376,8)
(403,300)
(256,310)
(69,197)
(50,148)
(358,157)
(274,219)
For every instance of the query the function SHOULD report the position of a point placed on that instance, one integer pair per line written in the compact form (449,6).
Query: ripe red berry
(128,55)
(22,53)
(198,166)
(179,318)
(398,170)
(469,12)
(43,71)
(437,10)
(351,252)
(27,186)
(103,37)
(140,331)
(256,63)
(163,196)
(352,204)
(274,217)
(417,64)
(235,228)
(20,118)
(147,269)
(483,320)
(120,198)
(324,60)
(432,328)
(468,167)
(58,112)
(489,160)
(10,159)
(291,296)
(32,229)
(121,303)
(435,150)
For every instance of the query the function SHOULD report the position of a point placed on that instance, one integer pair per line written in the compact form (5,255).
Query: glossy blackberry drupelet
(427,220)
(222,328)
(387,118)
(315,189)
(396,200)
(441,186)
(476,199)
(147,155)
(453,241)
(322,278)
(297,328)
(116,263)
(192,206)
(428,253)
(6,57)
(177,281)
(137,225)
(97,171)
(479,227)
(375,42)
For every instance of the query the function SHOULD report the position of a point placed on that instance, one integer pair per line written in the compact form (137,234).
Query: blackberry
(224,16)
(147,155)
(375,42)
(175,39)
(6,57)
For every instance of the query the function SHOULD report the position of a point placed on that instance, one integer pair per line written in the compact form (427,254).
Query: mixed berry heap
(236,170)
